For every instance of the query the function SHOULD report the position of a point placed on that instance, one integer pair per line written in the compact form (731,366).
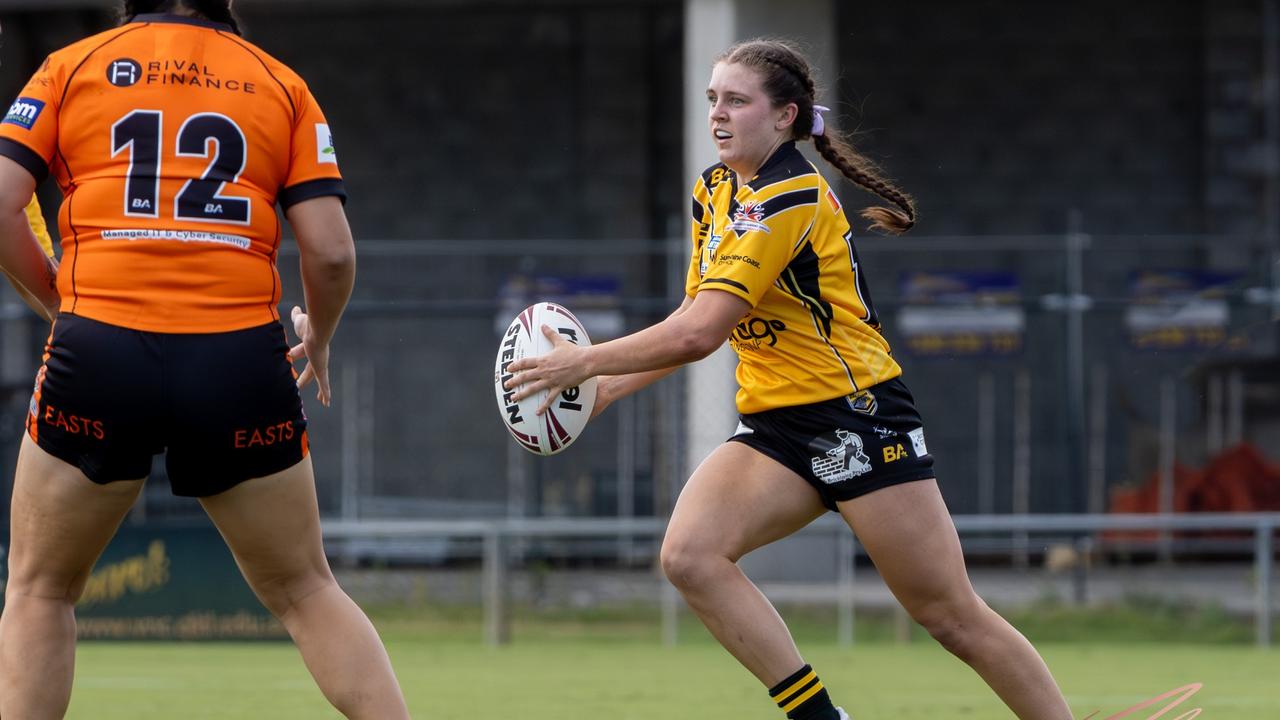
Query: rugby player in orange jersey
(173,140)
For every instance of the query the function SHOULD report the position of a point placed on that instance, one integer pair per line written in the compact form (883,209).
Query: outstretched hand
(316,353)
(562,368)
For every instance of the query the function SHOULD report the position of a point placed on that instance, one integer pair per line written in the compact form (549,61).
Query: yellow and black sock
(802,697)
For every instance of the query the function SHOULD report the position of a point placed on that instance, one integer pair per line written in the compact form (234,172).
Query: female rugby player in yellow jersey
(166,335)
(826,423)
(36,223)
(40,231)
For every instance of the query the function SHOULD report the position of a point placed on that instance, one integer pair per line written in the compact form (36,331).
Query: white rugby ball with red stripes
(565,419)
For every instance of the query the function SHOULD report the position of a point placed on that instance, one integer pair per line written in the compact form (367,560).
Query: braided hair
(215,10)
(786,78)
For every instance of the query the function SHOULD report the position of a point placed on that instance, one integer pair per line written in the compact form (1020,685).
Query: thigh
(738,500)
(59,523)
(236,411)
(272,525)
(908,532)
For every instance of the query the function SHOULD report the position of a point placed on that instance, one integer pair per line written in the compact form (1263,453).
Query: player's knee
(956,624)
(281,593)
(685,565)
(18,588)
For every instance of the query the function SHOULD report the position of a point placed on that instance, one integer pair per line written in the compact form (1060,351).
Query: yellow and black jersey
(782,243)
(35,218)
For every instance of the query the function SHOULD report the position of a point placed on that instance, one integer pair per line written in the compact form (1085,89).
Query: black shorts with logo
(223,407)
(846,447)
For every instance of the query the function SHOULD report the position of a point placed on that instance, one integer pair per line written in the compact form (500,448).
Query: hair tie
(819,126)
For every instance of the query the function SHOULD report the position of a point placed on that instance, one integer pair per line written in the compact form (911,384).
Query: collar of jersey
(782,153)
(180,19)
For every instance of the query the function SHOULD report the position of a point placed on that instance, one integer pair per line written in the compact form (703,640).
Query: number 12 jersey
(172,139)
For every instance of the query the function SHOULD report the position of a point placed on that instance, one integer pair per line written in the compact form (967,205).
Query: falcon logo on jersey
(747,218)
(24,112)
(124,72)
(863,401)
(324,145)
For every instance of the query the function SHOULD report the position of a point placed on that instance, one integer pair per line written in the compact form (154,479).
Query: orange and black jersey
(172,140)
(781,242)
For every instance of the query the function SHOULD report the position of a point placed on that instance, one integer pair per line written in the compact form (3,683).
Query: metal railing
(498,534)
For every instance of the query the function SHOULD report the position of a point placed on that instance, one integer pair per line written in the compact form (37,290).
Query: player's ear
(786,116)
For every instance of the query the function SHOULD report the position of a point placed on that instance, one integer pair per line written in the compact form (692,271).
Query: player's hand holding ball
(544,388)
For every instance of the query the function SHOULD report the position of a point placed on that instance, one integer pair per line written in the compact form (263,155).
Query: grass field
(616,670)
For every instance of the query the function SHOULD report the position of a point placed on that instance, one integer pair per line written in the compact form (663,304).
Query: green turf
(560,678)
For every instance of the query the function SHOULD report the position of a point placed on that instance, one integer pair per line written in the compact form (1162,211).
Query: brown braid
(861,171)
(786,78)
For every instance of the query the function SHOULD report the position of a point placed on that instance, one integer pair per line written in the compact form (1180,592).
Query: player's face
(744,124)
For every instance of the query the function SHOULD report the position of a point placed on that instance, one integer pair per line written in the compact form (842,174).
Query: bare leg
(736,501)
(910,536)
(59,523)
(272,526)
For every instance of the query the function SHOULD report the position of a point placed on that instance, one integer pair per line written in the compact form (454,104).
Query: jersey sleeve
(760,240)
(313,162)
(29,131)
(36,220)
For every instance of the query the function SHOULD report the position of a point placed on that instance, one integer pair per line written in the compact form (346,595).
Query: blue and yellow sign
(961,313)
(170,583)
(1179,309)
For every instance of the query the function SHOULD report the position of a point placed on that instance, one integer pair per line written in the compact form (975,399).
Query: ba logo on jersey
(124,72)
(749,217)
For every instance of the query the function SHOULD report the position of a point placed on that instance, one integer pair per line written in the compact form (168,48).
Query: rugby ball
(565,419)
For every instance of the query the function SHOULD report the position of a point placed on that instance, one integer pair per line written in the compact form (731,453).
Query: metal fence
(1049,370)
(500,536)
(1112,361)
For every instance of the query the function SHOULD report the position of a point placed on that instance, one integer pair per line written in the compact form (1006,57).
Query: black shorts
(223,407)
(846,447)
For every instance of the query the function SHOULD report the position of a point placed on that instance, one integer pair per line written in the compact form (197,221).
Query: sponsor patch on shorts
(917,442)
(841,457)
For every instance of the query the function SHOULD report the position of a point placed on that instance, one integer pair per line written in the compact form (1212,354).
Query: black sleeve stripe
(726,281)
(788,200)
(697,210)
(294,194)
(29,159)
